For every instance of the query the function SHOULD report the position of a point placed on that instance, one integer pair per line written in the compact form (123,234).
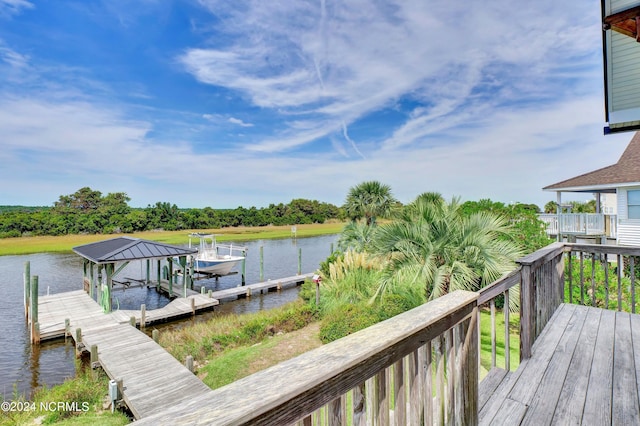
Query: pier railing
(422,367)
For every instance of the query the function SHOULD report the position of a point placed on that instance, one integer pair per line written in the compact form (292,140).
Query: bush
(347,319)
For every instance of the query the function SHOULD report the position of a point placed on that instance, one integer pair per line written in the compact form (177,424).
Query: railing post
(526,312)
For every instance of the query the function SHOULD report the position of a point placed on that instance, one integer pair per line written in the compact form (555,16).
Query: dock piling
(143,315)
(94,357)
(300,261)
(261,263)
(132,321)
(67,328)
(27,288)
(79,344)
(189,363)
(155,335)
(33,311)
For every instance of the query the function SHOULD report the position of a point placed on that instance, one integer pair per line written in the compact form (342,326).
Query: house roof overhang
(626,172)
(123,249)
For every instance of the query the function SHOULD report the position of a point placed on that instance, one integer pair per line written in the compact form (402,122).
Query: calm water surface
(24,367)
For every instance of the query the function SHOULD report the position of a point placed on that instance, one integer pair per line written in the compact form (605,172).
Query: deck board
(582,370)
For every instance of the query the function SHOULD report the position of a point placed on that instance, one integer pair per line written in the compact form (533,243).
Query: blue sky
(246,103)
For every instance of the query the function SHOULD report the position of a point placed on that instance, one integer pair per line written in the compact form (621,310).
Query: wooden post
(132,321)
(317,293)
(193,306)
(94,357)
(210,294)
(67,328)
(526,314)
(170,277)
(27,288)
(189,363)
(148,277)
(300,261)
(79,344)
(248,292)
(143,315)
(261,263)
(33,310)
(244,269)
(155,335)
(203,290)
(331,248)
(159,271)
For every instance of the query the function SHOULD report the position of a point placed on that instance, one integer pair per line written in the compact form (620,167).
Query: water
(24,367)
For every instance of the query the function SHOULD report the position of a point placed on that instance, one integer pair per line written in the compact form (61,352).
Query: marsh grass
(64,243)
(205,340)
(86,391)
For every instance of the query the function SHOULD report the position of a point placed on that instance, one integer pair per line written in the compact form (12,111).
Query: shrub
(347,319)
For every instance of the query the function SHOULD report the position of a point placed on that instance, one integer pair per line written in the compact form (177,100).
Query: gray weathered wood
(292,389)
(625,410)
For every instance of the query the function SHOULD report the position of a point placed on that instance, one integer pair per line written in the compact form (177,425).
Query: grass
(205,341)
(64,243)
(82,401)
(485,341)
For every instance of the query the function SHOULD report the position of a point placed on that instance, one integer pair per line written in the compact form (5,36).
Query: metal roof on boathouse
(122,249)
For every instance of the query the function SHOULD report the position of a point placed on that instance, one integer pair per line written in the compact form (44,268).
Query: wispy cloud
(337,62)
(13,7)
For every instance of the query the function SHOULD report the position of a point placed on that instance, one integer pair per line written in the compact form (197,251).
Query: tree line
(88,211)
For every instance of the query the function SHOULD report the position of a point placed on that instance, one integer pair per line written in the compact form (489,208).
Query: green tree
(434,245)
(356,236)
(369,200)
(551,207)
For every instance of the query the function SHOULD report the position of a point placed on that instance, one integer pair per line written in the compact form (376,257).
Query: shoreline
(65,243)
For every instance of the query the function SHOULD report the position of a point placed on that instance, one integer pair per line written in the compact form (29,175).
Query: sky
(248,103)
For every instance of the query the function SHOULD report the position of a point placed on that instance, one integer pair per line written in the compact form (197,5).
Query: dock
(151,378)
(78,307)
(260,288)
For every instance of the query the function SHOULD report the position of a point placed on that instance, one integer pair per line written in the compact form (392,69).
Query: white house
(621,179)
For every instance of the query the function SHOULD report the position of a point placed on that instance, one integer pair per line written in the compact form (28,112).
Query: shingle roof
(626,170)
(126,248)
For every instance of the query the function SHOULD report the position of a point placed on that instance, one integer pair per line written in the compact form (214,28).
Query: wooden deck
(582,371)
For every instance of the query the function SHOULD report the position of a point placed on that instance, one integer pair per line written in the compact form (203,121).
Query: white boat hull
(220,266)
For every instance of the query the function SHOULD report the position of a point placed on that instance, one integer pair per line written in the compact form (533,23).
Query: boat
(214,258)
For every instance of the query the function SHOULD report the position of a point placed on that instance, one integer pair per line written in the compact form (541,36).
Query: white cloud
(337,62)
(239,122)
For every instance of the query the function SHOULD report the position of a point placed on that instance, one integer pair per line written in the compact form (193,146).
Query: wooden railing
(378,376)
(422,366)
(602,276)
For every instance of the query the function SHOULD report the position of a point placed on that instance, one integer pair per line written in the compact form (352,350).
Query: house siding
(628,229)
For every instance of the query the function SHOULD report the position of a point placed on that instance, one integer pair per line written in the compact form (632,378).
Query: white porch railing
(580,224)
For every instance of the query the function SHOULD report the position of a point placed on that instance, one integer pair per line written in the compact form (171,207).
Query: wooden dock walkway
(77,306)
(152,378)
(582,371)
(261,287)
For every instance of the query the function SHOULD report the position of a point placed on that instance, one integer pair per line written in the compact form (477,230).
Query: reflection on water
(26,367)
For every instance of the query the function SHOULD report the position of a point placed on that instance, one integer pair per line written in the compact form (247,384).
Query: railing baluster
(425,355)
(570,277)
(632,272)
(399,392)
(593,280)
(439,401)
(358,405)
(619,270)
(507,348)
(605,266)
(581,277)
(493,332)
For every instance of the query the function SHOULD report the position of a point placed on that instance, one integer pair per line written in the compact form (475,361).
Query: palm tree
(369,200)
(432,244)
(356,236)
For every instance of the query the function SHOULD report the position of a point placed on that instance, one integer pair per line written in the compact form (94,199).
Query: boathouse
(111,256)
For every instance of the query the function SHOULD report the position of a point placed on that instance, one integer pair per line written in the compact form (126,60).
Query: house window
(633,204)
